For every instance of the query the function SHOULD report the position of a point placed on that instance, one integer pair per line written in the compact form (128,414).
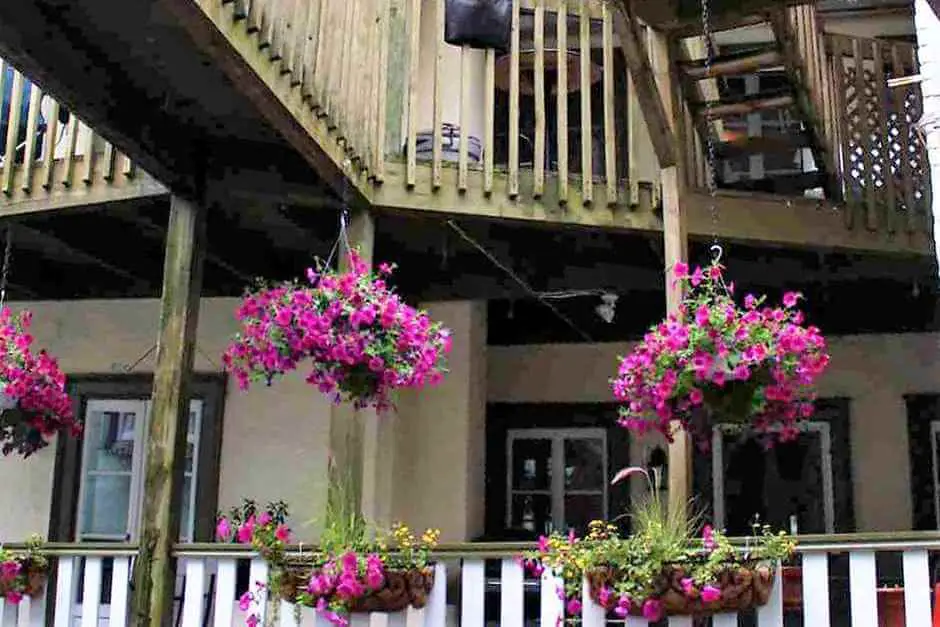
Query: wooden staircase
(761,103)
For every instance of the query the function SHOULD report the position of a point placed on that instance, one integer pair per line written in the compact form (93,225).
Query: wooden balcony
(50,159)
(418,125)
(842,580)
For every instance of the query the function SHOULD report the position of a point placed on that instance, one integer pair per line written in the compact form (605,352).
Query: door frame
(718,471)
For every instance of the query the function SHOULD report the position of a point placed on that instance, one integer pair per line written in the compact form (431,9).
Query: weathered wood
(539,87)
(587,128)
(610,127)
(152,601)
(414,49)
(753,105)
(739,64)
(32,125)
(561,37)
(649,96)
(513,187)
(13,127)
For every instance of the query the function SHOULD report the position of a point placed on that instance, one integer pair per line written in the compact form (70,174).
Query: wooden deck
(66,164)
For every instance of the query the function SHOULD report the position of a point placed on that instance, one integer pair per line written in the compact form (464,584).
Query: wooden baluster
(32,132)
(309,55)
(225,579)
(561,37)
(120,587)
(863,598)
(194,592)
(322,61)
(13,126)
(73,130)
(254,15)
(513,183)
(771,613)
(472,594)
(130,168)
(462,156)
(815,569)
(381,114)
(49,145)
(343,111)
(489,122)
(108,160)
(539,86)
(592,614)
(64,589)
(610,129)
(725,620)
(91,596)
(852,196)
(916,587)
(88,163)
(511,592)
(414,49)
(436,135)
(587,130)
(266,23)
(552,608)
(437,600)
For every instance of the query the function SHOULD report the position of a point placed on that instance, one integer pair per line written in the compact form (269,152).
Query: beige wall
(431,473)
(874,371)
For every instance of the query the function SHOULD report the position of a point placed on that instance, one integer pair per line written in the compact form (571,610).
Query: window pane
(106,503)
(581,509)
(531,464)
(109,440)
(532,512)
(186,514)
(584,464)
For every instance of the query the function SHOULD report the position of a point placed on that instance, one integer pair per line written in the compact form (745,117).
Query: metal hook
(716,253)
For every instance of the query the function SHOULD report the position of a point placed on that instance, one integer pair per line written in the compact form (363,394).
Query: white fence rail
(94,591)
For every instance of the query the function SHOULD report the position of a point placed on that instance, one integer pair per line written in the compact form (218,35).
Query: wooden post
(347,425)
(676,250)
(152,602)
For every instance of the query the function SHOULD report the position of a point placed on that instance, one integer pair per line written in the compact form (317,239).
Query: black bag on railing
(478,23)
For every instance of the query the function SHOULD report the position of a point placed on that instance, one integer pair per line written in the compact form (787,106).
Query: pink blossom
(223,530)
(710,594)
(14,597)
(708,538)
(244,601)
(282,533)
(9,570)
(573,607)
(652,609)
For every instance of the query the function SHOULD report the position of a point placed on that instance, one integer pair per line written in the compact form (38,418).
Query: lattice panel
(885,163)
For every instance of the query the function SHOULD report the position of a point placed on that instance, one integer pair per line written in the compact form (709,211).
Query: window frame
(557,491)
(209,388)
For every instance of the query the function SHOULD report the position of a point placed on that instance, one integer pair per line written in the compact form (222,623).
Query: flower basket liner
(402,588)
(742,588)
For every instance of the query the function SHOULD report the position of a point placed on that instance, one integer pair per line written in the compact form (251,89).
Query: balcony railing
(48,155)
(842,580)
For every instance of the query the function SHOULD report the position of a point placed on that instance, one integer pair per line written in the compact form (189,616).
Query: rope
(715,248)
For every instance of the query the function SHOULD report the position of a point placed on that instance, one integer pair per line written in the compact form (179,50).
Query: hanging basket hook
(717,252)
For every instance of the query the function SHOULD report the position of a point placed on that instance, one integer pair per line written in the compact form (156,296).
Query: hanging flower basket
(34,405)
(360,339)
(715,361)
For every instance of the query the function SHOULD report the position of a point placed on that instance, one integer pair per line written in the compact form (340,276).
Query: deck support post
(349,426)
(152,597)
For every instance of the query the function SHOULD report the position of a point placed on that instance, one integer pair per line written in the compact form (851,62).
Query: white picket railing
(93,590)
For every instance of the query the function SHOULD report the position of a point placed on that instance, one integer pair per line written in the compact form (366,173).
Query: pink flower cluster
(34,385)
(361,340)
(338,584)
(9,589)
(709,356)
(261,531)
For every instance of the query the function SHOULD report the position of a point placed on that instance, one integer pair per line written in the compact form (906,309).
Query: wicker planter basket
(742,588)
(401,590)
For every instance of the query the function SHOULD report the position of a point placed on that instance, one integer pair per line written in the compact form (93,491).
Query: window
(112,478)
(557,478)
(99,479)
(923,436)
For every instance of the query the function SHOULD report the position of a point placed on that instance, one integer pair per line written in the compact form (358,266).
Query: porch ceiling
(118,253)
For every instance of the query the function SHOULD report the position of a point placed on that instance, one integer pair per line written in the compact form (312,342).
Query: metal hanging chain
(715,248)
(5,271)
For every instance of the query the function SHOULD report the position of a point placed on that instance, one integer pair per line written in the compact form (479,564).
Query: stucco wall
(874,371)
(275,439)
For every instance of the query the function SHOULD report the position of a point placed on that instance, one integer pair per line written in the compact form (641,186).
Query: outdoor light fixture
(608,307)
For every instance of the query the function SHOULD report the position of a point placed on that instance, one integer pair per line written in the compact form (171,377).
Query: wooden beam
(655,111)
(152,598)
(347,424)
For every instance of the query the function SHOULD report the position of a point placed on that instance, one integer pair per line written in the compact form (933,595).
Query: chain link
(709,138)
(5,271)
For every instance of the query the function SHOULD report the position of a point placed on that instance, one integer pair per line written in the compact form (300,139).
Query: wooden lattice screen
(885,174)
